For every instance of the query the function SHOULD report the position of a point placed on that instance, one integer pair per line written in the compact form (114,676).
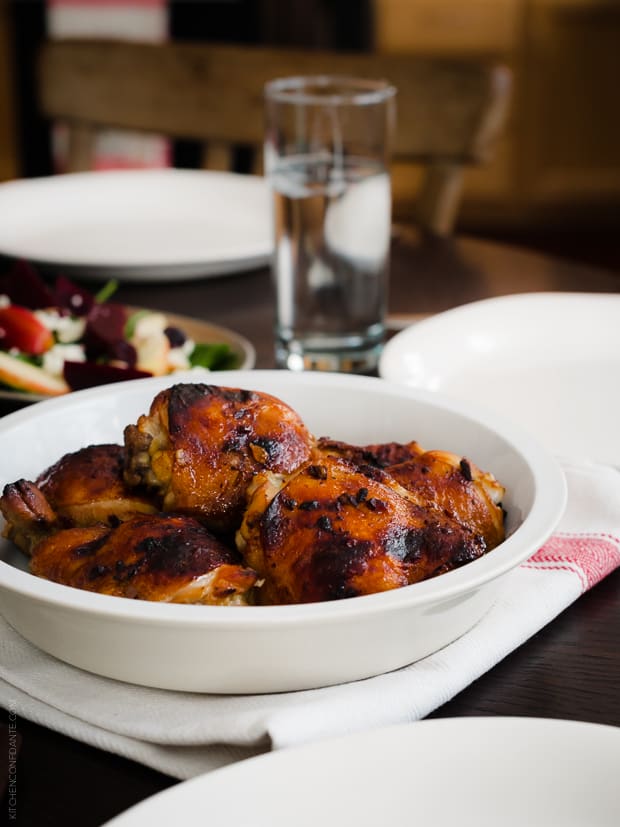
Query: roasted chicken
(336,529)
(161,557)
(87,486)
(172,559)
(440,481)
(200,445)
(312,519)
(381,455)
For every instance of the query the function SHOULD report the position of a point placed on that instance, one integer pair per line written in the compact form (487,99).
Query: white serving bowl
(276,648)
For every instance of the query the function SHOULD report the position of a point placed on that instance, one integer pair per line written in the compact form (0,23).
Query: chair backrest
(450,112)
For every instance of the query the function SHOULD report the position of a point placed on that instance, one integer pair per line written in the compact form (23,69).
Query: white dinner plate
(248,649)
(139,225)
(470,772)
(548,361)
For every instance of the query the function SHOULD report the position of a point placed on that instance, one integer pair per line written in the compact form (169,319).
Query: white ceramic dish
(471,772)
(548,361)
(275,648)
(196,329)
(139,225)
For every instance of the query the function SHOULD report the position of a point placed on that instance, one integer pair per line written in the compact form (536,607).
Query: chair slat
(450,112)
(218,155)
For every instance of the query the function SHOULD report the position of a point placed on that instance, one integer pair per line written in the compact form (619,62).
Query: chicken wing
(335,529)
(200,445)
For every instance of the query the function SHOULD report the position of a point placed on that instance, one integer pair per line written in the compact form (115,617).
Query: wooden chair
(450,112)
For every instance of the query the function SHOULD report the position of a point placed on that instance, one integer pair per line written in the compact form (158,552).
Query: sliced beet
(105,328)
(80,375)
(77,300)
(123,352)
(23,285)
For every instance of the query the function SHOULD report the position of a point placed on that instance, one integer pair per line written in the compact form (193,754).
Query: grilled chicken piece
(200,445)
(149,557)
(87,487)
(161,557)
(335,529)
(83,488)
(380,455)
(438,480)
(457,487)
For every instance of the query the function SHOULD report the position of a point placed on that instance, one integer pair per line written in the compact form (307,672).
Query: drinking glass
(327,142)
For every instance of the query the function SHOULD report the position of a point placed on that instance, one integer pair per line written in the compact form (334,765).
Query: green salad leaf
(214,357)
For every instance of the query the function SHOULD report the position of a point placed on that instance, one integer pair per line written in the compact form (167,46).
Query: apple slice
(152,354)
(26,377)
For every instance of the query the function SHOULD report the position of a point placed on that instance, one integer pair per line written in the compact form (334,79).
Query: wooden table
(570,669)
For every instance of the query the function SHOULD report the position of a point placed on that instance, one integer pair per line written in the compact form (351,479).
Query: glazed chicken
(172,559)
(336,529)
(162,557)
(87,486)
(381,455)
(312,519)
(200,445)
(437,480)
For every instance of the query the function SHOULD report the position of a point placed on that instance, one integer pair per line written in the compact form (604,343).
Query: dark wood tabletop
(570,669)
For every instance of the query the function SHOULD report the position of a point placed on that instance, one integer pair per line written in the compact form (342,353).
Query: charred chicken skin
(437,480)
(381,455)
(172,559)
(444,481)
(200,445)
(312,519)
(159,557)
(87,486)
(335,529)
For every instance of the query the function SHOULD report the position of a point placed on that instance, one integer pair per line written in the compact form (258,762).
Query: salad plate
(139,225)
(241,349)
(276,648)
(547,361)
(474,772)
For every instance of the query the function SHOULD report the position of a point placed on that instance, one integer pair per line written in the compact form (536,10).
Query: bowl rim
(549,502)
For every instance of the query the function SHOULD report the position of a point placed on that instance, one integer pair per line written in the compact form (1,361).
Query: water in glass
(332,226)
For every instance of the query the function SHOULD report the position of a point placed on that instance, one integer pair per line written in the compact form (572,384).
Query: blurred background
(554,181)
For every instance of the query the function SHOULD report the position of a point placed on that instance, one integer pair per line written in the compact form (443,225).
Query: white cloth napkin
(185,734)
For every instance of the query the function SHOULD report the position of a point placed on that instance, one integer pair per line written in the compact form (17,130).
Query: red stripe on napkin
(591,556)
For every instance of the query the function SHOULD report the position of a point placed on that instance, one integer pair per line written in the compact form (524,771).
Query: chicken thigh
(159,557)
(439,480)
(335,529)
(87,486)
(200,445)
